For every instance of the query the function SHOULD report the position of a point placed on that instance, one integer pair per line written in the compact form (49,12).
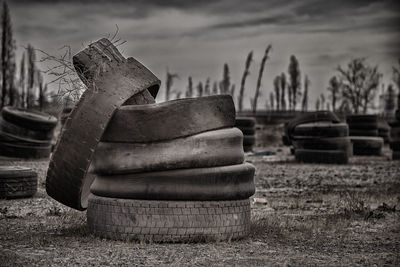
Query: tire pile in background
(364,135)
(17,182)
(174,173)
(248,128)
(395,136)
(25,133)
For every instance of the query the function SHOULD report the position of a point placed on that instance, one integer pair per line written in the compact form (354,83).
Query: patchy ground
(301,214)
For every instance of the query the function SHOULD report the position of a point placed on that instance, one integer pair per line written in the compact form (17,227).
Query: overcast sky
(197,38)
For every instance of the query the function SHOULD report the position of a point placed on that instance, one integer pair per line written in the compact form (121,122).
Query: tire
(12,139)
(248,148)
(29,119)
(16,130)
(395,145)
(249,140)
(350,119)
(27,152)
(322,156)
(338,143)
(286,140)
(170,120)
(120,81)
(395,133)
(248,130)
(245,122)
(17,182)
(394,124)
(321,129)
(208,149)
(367,145)
(318,116)
(217,183)
(363,126)
(397,114)
(363,133)
(396,155)
(168,221)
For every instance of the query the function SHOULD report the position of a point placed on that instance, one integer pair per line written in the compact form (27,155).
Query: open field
(301,214)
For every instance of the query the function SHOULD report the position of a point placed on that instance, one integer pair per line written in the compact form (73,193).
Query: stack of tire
(17,182)
(171,172)
(364,135)
(247,126)
(25,133)
(319,137)
(65,113)
(395,136)
(384,130)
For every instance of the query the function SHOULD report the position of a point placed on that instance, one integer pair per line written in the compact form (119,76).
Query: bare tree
(7,58)
(168,84)
(396,79)
(304,102)
(189,90)
(260,74)
(22,84)
(277,85)
(295,80)
(207,89)
(232,91)
(200,89)
(334,88)
(389,99)
(359,84)
(215,89)
(30,95)
(271,100)
(317,104)
(322,102)
(225,84)
(243,82)
(283,88)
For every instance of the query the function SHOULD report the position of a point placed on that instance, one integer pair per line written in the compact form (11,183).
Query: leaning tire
(29,119)
(169,120)
(217,183)
(20,151)
(321,129)
(322,156)
(17,182)
(168,221)
(209,149)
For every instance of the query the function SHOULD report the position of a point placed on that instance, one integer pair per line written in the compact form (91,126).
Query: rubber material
(363,132)
(321,129)
(362,119)
(216,183)
(248,130)
(208,149)
(397,114)
(22,132)
(322,156)
(19,151)
(367,145)
(286,140)
(249,140)
(168,221)
(29,119)
(245,122)
(16,182)
(248,148)
(363,126)
(395,133)
(396,155)
(338,143)
(9,138)
(395,144)
(113,81)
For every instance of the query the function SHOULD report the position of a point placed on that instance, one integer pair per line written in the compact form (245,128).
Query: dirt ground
(302,214)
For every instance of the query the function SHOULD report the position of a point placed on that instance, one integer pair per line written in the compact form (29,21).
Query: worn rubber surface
(396,155)
(208,149)
(249,140)
(363,126)
(112,82)
(248,130)
(245,122)
(23,132)
(20,151)
(16,182)
(13,139)
(370,133)
(168,221)
(321,129)
(318,116)
(29,119)
(362,119)
(169,120)
(335,143)
(216,183)
(363,145)
(322,156)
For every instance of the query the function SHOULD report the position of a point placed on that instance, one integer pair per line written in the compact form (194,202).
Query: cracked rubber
(112,80)
(322,156)
(17,182)
(208,149)
(168,221)
(216,183)
(170,120)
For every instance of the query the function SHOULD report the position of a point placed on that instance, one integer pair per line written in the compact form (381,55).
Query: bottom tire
(367,146)
(168,221)
(322,156)
(19,151)
(17,182)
